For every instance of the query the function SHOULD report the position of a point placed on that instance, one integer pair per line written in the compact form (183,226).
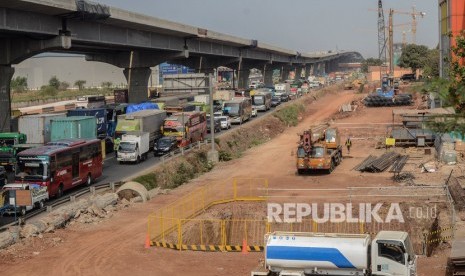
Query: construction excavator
(319,151)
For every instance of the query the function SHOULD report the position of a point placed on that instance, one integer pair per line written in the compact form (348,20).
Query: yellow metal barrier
(180,226)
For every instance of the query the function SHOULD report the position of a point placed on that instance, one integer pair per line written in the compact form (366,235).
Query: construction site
(216,224)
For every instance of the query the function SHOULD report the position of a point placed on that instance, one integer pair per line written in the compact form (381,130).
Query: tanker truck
(299,254)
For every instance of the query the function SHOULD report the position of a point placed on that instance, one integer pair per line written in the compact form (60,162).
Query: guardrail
(69,198)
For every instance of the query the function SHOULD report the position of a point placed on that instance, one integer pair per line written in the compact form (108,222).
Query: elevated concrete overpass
(136,42)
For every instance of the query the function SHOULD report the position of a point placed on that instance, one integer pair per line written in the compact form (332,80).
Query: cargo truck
(150,120)
(297,253)
(37,127)
(100,115)
(34,194)
(282,88)
(134,147)
(7,142)
(79,127)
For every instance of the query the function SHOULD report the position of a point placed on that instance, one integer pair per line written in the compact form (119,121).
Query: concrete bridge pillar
(243,78)
(308,69)
(284,73)
(298,73)
(138,79)
(6,73)
(268,74)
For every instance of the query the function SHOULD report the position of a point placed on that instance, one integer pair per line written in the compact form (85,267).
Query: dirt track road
(116,247)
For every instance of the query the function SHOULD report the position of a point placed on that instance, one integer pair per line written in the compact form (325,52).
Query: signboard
(23,198)
(390,142)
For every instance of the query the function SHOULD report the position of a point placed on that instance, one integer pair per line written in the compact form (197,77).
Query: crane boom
(381,32)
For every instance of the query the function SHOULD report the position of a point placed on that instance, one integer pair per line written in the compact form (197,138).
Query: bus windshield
(258,100)
(231,109)
(32,170)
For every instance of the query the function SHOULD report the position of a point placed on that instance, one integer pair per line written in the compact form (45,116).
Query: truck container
(297,253)
(150,120)
(134,147)
(282,88)
(37,127)
(79,127)
(100,115)
(202,99)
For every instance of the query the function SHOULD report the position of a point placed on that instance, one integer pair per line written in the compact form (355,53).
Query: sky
(301,25)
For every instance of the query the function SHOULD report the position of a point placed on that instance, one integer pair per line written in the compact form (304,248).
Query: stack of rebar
(380,164)
(399,164)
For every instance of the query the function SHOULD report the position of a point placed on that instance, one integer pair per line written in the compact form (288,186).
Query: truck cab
(7,142)
(392,254)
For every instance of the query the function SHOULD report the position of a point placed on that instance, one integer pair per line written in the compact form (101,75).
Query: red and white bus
(187,127)
(61,165)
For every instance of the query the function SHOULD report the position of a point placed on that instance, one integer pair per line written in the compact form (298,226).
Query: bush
(289,115)
(49,91)
(149,181)
(224,156)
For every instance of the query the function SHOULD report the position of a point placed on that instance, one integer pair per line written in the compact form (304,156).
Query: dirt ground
(116,246)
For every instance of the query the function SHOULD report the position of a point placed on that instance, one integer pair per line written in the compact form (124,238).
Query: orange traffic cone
(244,247)
(147,241)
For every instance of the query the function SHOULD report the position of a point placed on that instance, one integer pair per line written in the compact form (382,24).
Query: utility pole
(212,153)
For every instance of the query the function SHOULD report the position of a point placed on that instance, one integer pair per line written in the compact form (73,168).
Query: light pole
(213,153)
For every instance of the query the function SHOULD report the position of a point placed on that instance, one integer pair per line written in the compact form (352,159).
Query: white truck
(282,88)
(299,254)
(134,147)
(34,194)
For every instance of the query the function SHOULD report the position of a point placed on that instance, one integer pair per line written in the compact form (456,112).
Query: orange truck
(319,152)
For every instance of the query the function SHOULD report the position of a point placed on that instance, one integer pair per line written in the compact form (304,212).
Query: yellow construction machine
(319,152)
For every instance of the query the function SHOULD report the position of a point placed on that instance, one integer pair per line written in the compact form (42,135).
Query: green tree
(370,62)
(54,82)
(413,56)
(64,85)
(19,84)
(80,84)
(452,92)
(106,84)
(48,91)
(431,68)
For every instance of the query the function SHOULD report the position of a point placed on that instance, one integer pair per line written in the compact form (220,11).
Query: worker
(116,146)
(348,144)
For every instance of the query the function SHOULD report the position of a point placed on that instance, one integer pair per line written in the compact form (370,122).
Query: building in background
(451,21)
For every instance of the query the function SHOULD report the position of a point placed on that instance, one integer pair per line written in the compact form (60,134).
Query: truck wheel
(60,190)
(138,159)
(41,204)
(331,166)
(89,180)
(300,171)
(23,211)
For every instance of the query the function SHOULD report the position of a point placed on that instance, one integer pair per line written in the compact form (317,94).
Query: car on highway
(3,176)
(216,125)
(164,145)
(285,97)
(275,101)
(225,122)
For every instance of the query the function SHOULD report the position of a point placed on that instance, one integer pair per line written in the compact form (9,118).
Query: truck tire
(22,211)
(89,180)
(41,204)
(300,171)
(60,190)
(331,167)
(138,159)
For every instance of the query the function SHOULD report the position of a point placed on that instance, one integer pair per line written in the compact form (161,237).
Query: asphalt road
(113,171)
